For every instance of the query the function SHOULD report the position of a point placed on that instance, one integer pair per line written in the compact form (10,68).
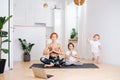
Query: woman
(71,55)
(53,50)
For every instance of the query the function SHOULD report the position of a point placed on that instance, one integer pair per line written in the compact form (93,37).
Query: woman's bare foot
(49,65)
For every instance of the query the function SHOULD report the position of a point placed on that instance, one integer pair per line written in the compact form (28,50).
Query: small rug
(85,65)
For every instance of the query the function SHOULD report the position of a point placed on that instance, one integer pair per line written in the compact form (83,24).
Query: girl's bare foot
(60,66)
(98,62)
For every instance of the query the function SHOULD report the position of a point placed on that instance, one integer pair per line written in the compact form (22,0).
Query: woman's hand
(50,52)
(55,51)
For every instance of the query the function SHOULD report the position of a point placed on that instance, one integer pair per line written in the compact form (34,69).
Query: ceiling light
(45,5)
(79,2)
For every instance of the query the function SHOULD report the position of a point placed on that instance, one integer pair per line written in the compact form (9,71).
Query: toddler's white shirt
(95,46)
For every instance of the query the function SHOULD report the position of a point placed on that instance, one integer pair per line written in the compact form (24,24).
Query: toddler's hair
(96,35)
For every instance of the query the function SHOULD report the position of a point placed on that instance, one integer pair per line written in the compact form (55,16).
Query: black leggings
(55,60)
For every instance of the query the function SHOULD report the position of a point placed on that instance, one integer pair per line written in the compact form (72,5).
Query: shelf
(73,40)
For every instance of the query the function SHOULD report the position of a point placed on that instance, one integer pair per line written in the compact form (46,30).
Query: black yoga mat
(85,65)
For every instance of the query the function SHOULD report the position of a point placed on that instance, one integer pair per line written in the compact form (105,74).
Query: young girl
(71,56)
(95,47)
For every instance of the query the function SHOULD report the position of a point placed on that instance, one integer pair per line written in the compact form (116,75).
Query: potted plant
(3,34)
(26,48)
(73,34)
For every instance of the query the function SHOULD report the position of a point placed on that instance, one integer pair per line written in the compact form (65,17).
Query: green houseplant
(26,48)
(3,39)
(73,34)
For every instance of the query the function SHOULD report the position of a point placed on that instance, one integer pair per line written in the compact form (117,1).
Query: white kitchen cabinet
(30,12)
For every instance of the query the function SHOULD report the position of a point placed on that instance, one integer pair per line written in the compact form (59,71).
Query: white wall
(103,17)
(58,24)
(33,34)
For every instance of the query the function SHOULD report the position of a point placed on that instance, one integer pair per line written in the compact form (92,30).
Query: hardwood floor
(21,71)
